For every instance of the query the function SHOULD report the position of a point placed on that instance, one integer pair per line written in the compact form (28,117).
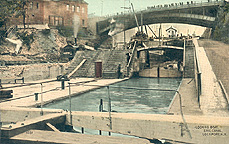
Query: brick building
(55,12)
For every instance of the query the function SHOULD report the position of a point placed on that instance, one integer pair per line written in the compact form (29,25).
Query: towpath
(218,55)
(212,59)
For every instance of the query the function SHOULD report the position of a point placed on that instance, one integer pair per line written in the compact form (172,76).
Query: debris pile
(37,45)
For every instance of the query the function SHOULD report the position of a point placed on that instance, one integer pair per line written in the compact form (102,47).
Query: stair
(189,60)
(83,71)
(110,62)
(116,57)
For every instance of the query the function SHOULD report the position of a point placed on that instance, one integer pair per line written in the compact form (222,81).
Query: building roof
(80,1)
(171,28)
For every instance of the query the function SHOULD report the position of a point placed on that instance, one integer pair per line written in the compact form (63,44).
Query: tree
(21,8)
(221,31)
(10,8)
(6,11)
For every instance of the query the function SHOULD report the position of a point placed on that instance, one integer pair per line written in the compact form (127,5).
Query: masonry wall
(62,12)
(53,13)
(35,13)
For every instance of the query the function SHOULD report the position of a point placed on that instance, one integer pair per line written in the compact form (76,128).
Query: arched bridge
(201,14)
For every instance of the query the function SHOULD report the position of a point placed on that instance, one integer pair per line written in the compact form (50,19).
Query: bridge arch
(201,15)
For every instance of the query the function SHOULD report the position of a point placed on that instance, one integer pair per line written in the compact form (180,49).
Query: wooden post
(203,11)
(109,109)
(70,103)
(160,35)
(158,72)
(100,110)
(41,99)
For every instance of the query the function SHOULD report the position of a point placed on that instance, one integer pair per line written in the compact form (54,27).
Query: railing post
(41,99)
(109,108)
(70,102)
(199,87)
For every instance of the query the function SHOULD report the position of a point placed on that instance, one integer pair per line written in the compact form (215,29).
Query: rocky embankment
(37,45)
(31,53)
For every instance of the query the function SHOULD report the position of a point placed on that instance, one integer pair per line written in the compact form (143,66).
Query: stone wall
(31,72)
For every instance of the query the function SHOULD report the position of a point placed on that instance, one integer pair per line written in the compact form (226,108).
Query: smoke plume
(76,24)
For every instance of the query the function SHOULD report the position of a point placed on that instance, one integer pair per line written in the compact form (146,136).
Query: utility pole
(124,21)
(160,35)
(141,22)
(101,7)
(124,32)
(135,17)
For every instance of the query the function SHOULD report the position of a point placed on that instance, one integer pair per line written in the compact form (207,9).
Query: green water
(126,100)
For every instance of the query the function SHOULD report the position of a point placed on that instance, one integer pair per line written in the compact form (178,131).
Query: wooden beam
(52,127)
(18,114)
(82,62)
(10,130)
(38,137)
(203,129)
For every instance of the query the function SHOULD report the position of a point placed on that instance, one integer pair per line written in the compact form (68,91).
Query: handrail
(167,7)
(198,72)
(184,53)
(224,91)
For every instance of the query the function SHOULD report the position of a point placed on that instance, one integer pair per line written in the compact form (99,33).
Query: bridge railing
(198,72)
(170,6)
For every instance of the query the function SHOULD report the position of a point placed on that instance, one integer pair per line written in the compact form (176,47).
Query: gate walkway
(23,96)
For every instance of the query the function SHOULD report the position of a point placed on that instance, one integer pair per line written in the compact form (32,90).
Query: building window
(73,8)
(60,21)
(78,9)
(56,20)
(83,10)
(67,7)
(31,5)
(37,5)
(83,22)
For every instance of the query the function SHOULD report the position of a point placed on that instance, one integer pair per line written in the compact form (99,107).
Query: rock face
(37,45)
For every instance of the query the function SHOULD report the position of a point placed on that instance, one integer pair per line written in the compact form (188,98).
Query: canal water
(125,100)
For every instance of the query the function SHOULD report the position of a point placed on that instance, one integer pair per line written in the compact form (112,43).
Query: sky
(107,7)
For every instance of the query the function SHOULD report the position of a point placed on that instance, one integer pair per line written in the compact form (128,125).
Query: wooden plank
(82,62)
(16,114)
(10,130)
(6,93)
(52,127)
(38,136)
(3,92)
(6,96)
(203,129)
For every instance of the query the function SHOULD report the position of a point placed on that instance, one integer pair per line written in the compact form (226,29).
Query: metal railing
(170,7)
(198,79)
(224,92)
